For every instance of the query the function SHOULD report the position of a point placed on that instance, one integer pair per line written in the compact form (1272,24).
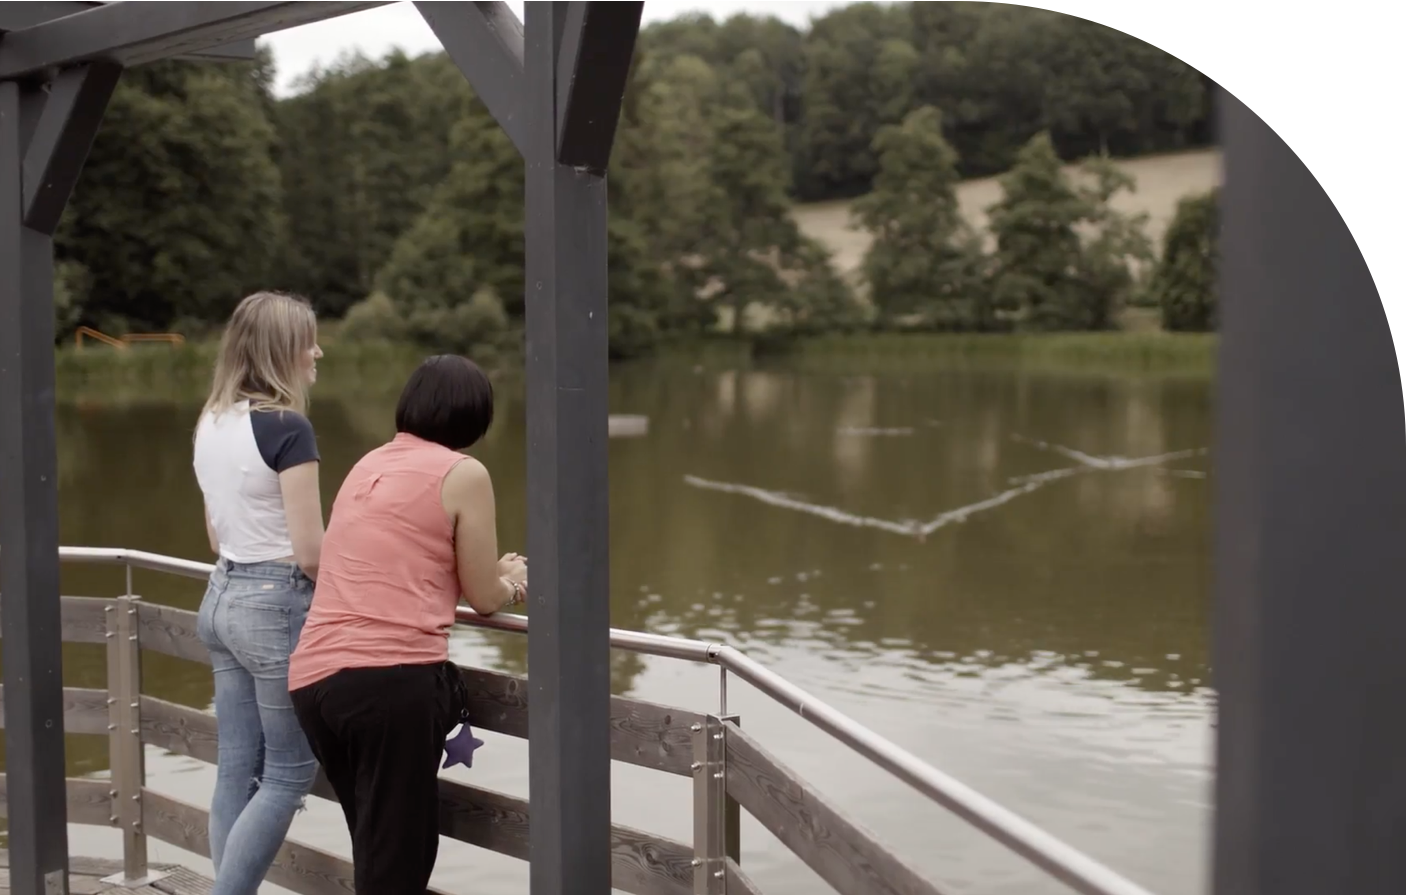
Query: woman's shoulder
(285,438)
(465,482)
(466,469)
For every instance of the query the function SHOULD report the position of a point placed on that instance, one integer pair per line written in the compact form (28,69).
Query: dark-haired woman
(412,532)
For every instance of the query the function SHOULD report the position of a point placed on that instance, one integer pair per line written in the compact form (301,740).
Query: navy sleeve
(285,439)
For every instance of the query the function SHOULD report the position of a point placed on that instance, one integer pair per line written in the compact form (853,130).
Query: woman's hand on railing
(513,569)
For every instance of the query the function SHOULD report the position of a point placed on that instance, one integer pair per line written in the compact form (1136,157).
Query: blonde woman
(256,458)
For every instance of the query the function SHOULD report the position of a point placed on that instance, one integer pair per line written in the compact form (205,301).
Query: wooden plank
(180,729)
(85,710)
(642,733)
(483,818)
(738,882)
(81,619)
(88,801)
(180,880)
(300,868)
(171,631)
(640,862)
(644,863)
(85,876)
(846,856)
(495,821)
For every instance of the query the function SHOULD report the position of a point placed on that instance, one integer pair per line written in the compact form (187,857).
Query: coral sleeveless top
(387,579)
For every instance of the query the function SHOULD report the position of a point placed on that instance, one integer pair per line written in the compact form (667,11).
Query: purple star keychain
(459,750)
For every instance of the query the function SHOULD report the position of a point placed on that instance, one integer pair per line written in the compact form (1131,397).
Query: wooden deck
(86,876)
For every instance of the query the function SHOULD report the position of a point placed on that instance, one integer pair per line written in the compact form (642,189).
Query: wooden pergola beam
(134,33)
(17,16)
(485,42)
(593,62)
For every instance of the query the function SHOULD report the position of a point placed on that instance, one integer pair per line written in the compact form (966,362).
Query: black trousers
(378,734)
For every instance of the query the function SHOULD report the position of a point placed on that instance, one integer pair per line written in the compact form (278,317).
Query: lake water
(1005,572)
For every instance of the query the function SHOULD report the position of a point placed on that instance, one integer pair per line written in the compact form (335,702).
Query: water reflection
(991,548)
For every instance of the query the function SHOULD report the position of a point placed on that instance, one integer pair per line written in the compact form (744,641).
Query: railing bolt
(696,727)
(112,819)
(696,862)
(110,635)
(109,608)
(136,797)
(111,701)
(112,727)
(131,637)
(718,774)
(719,736)
(718,875)
(112,794)
(695,766)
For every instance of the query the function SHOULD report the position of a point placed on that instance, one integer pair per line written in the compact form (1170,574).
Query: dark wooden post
(1309,586)
(45,133)
(575,58)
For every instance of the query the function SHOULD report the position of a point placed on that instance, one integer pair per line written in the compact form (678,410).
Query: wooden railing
(730,769)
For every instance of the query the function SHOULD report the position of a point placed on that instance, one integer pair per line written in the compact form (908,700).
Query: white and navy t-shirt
(239,455)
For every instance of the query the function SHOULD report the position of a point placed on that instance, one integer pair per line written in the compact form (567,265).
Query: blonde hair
(262,355)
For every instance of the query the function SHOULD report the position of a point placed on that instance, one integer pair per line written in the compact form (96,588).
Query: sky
(377,31)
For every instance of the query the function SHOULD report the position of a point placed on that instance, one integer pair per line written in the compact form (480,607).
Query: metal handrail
(1062,861)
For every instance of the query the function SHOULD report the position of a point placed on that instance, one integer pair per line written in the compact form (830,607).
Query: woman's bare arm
(303,508)
(468,497)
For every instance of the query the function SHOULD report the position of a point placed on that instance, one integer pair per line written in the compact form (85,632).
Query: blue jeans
(250,620)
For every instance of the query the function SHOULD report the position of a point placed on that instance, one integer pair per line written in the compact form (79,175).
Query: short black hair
(448,400)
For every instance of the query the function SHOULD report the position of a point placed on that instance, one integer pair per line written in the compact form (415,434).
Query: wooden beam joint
(71,115)
(593,62)
(485,42)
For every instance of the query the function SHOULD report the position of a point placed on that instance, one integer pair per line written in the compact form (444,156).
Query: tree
(363,148)
(454,278)
(752,252)
(747,220)
(660,175)
(1184,283)
(859,75)
(1095,82)
(1116,244)
(1038,249)
(925,260)
(1044,269)
(177,213)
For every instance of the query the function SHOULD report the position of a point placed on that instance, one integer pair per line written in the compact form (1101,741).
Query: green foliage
(1117,244)
(1184,284)
(1045,271)
(925,263)
(752,254)
(860,68)
(178,208)
(385,185)
(72,285)
(364,147)
(1038,248)
(466,327)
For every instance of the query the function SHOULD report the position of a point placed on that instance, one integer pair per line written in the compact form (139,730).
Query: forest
(382,190)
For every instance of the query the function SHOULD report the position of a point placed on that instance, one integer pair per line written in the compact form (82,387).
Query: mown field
(1160,181)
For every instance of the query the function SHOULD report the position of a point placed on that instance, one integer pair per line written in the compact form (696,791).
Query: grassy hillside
(1160,181)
